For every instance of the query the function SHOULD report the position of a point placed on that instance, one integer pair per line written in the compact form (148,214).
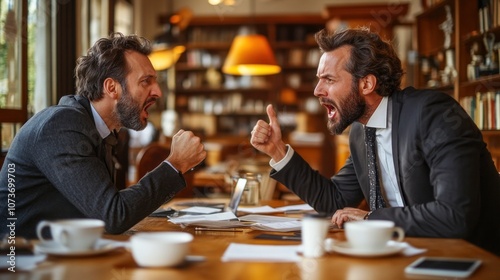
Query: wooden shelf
(466,31)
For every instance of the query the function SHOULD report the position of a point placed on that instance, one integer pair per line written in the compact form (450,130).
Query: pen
(217,229)
(291,238)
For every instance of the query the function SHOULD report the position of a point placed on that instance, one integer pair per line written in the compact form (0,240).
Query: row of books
(212,35)
(489,14)
(484,109)
(293,57)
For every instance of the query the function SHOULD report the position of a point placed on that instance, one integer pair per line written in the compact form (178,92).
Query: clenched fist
(186,151)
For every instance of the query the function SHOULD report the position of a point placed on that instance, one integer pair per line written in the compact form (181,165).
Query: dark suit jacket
(447,178)
(60,174)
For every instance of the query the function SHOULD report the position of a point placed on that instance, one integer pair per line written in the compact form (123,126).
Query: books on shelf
(489,14)
(484,109)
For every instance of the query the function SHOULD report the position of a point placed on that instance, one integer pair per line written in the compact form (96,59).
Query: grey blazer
(447,178)
(60,174)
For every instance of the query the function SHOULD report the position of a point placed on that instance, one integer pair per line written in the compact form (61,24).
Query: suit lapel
(358,152)
(397,102)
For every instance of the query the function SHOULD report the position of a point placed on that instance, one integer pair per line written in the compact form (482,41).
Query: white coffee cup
(372,235)
(73,234)
(314,231)
(160,249)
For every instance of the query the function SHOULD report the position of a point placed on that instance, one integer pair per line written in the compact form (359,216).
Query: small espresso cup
(160,249)
(73,234)
(372,235)
(314,230)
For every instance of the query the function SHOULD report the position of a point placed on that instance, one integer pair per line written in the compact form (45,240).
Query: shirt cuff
(283,162)
(167,162)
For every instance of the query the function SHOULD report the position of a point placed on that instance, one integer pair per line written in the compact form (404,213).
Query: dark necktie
(109,143)
(376,199)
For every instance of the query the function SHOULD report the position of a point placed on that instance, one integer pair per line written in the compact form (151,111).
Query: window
(13,82)
(25,63)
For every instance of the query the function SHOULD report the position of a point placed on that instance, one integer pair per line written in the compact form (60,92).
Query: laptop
(236,197)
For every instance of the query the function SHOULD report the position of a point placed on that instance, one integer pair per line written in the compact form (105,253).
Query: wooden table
(119,264)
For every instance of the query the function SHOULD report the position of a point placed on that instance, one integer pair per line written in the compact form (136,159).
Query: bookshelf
(220,104)
(473,53)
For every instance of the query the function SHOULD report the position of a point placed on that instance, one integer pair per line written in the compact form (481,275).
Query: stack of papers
(269,209)
(187,219)
(279,227)
(212,217)
(272,223)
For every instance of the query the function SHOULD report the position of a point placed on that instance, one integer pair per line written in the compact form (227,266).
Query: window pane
(9,130)
(39,55)
(10,36)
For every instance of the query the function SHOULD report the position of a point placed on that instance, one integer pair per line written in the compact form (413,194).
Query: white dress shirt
(382,121)
(101,126)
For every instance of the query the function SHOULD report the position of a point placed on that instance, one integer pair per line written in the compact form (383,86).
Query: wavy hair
(369,55)
(106,59)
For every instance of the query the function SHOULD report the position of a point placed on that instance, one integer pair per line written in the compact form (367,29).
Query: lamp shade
(250,55)
(164,57)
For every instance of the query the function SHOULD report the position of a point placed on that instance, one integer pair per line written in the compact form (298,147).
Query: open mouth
(148,105)
(331,109)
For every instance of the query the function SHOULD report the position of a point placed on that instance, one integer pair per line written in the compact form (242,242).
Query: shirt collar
(379,117)
(101,126)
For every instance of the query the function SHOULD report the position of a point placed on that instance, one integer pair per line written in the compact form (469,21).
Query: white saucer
(346,249)
(55,249)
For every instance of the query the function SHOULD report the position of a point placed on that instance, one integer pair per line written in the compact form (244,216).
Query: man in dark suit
(59,162)
(435,176)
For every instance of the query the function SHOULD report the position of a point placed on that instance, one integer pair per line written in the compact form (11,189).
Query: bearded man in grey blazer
(435,174)
(59,157)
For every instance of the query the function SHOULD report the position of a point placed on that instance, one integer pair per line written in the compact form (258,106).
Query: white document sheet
(201,210)
(263,219)
(279,226)
(298,207)
(186,219)
(261,209)
(269,209)
(261,253)
(273,223)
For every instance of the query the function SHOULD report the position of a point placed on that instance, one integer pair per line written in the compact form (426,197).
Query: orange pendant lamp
(164,57)
(250,55)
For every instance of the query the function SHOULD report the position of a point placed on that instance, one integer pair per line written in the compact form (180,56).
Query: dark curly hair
(106,59)
(369,55)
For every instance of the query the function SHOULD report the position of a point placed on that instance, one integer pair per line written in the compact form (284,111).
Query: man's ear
(367,84)
(111,88)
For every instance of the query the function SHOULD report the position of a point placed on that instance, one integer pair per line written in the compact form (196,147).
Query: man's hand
(266,137)
(348,214)
(186,151)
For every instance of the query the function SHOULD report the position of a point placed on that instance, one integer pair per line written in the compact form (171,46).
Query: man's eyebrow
(149,76)
(324,75)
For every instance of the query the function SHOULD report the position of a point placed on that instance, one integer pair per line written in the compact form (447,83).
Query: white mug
(314,230)
(371,235)
(160,249)
(73,234)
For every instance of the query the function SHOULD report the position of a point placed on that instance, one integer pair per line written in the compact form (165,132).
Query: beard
(352,107)
(128,111)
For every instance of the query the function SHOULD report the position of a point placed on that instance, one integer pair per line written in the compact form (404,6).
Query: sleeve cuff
(283,162)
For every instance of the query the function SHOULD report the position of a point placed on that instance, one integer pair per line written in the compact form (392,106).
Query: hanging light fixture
(167,47)
(250,55)
(222,2)
(163,56)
